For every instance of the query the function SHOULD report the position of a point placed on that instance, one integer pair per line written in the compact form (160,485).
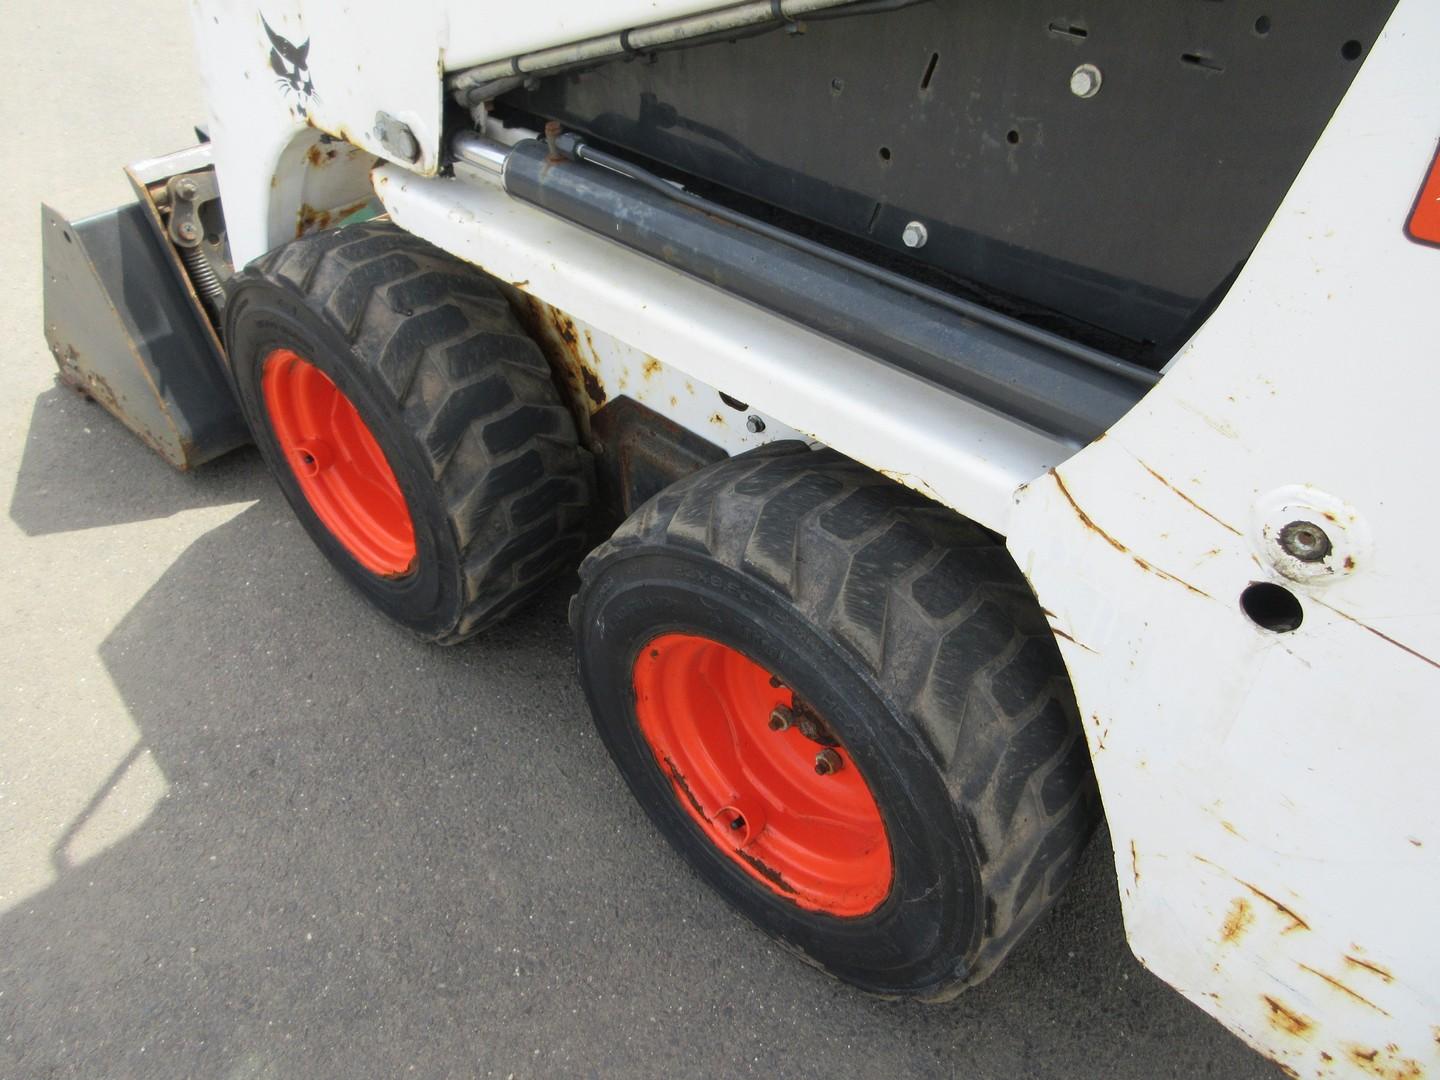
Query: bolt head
(1305,541)
(186,189)
(915,234)
(754,425)
(1085,81)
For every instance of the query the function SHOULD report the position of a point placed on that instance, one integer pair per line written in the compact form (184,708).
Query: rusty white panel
(934,441)
(1272,796)
(277,75)
(597,368)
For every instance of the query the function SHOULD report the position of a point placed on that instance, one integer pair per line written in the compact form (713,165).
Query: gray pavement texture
(248,830)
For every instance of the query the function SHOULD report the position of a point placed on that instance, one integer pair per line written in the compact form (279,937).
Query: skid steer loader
(986,410)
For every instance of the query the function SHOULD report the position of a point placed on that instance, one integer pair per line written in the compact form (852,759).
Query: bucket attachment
(127,328)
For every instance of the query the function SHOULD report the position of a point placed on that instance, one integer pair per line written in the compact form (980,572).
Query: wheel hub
(338,464)
(762,775)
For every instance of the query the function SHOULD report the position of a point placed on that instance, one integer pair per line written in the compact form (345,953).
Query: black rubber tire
(914,635)
(459,398)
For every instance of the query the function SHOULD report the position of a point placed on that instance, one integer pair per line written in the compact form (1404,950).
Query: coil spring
(202,274)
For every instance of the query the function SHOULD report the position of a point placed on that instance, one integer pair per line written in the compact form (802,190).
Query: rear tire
(459,401)
(914,636)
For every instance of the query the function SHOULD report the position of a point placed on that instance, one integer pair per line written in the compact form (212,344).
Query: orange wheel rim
(338,464)
(762,776)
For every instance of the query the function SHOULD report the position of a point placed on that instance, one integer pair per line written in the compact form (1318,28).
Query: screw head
(1085,81)
(1306,541)
(827,761)
(754,425)
(188,230)
(915,234)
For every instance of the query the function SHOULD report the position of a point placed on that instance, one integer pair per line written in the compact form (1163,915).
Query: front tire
(411,423)
(909,638)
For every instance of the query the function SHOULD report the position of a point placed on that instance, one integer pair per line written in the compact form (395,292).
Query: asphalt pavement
(248,830)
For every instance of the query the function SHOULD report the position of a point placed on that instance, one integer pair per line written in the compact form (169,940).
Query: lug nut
(781,719)
(1305,540)
(827,761)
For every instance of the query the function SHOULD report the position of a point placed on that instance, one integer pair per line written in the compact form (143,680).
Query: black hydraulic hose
(572,147)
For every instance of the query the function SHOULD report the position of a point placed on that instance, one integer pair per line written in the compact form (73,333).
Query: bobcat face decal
(291,64)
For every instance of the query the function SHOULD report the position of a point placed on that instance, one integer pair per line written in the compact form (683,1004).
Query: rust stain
(321,155)
(593,390)
(1383,637)
(1338,985)
(1089,523)
(684,787)
(769,873)
(1085,518)
(1169,576)
(1387,1063)
(652,367)
(1061,633)
(1237,921)
(1296,922)
(1134,862)
(716,418)
(1349,562)
(1230,828)
(1286,1020)
(310,220)
(521,283)
(1219,521)
(1374,969)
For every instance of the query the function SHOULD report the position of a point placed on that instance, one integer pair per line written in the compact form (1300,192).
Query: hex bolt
(827,762)
(915,234)
(185,189)
(1305,541)
(754,424)
(781,718)
(1085,81)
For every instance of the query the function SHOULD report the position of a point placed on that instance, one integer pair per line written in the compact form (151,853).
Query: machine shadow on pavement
(376,857)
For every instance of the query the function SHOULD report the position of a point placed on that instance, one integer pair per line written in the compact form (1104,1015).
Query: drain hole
(1066,30)
(1351,50)
(734,403)
(929,71)
(884,153)
(1262,25)
(1012,136)
(1271,607)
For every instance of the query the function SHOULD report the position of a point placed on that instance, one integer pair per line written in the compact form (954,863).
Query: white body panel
(1270,796)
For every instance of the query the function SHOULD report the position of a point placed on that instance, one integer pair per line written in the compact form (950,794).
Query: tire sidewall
(920,937)
(262,317)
